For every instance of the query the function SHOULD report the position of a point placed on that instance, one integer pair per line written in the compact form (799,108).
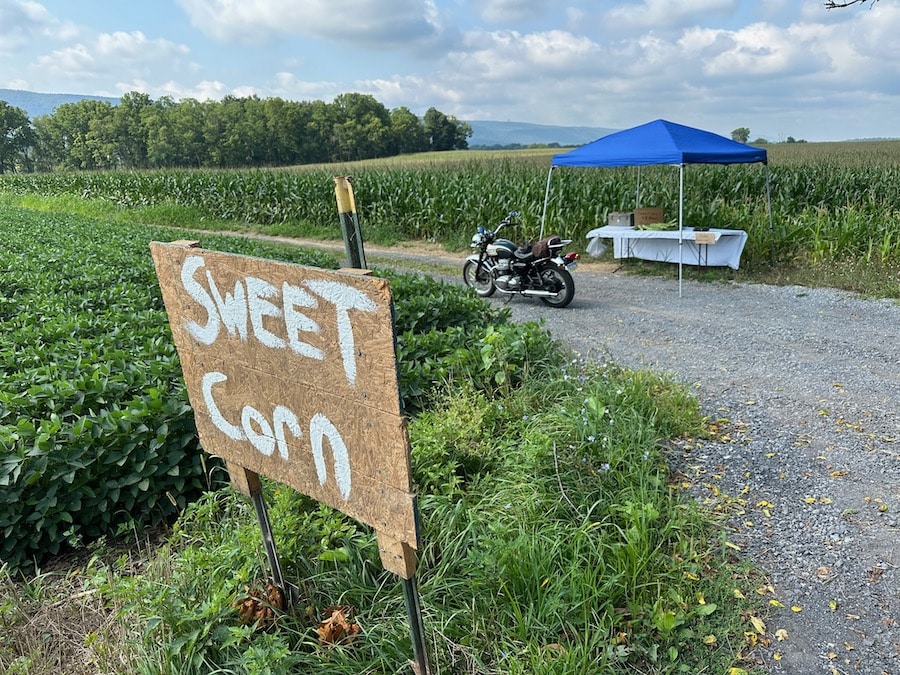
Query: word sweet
(253,299)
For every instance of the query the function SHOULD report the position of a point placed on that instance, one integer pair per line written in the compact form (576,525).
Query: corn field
(830,201)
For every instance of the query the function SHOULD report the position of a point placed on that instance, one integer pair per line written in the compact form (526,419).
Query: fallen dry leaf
(260,606)
(758,624)
(336,628)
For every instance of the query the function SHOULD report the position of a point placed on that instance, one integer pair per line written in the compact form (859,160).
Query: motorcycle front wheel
(560,282)
(479,278)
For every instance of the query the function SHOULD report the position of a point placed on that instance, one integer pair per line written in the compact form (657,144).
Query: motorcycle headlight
(477,239)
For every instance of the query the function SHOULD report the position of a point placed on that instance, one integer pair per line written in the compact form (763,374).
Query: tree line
(140,133)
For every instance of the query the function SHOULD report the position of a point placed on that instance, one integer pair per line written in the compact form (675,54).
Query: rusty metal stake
(416,626)
(290,592)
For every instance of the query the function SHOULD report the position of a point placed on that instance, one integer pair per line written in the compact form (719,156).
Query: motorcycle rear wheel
(481,279)
(560,281)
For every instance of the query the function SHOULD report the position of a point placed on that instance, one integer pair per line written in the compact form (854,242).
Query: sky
(781,68)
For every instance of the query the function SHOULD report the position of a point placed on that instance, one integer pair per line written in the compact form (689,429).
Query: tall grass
(553,543)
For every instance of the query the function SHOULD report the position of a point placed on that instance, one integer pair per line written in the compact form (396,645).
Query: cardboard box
(648,216)
(620,219)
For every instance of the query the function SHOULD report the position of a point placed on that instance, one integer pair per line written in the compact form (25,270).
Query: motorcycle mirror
(513,214)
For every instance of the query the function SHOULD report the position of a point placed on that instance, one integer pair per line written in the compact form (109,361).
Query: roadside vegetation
(554,535)
(556,538)
(835,219)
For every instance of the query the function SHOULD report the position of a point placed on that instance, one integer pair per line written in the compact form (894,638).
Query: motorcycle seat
(524,253)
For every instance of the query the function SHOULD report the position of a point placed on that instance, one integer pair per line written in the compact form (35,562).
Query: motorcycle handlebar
(503,223)
(508,220)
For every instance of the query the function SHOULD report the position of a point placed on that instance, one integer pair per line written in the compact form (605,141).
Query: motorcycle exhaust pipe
(539,294)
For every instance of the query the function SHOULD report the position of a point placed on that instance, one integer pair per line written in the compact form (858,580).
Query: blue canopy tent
(661,142)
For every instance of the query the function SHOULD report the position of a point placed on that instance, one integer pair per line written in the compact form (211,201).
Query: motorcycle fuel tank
(501,248)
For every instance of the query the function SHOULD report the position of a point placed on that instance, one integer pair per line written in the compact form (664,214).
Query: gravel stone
(806,383)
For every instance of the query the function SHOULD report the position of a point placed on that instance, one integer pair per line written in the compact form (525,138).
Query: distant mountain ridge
(489,134)
(37,104)
(485,133)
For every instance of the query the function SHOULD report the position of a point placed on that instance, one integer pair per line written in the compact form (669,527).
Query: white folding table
(714,247)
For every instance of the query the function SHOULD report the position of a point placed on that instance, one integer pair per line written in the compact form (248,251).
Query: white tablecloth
(662,245)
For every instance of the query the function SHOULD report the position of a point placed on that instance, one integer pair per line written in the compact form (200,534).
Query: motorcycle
(536,271)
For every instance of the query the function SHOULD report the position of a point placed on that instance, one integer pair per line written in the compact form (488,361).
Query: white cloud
(206,90)
(694,75)
(666,14)
(511,57)
(511,11)
(288,86)
(875,32)
(111,53)
(758,50)
(377,24)
(22,21)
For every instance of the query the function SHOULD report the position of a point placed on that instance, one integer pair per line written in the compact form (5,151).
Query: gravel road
(806,385)
(809,383)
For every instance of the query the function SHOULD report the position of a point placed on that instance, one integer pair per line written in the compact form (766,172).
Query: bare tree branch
(831,4)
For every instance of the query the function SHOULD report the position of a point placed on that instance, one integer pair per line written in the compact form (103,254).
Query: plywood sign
(291,372)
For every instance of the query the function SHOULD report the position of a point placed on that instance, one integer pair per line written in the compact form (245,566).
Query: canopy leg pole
(546,199)
(637,190)
(769,211)
(680,226)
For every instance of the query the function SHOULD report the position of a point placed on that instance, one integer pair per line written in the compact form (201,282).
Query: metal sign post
(416,626)
(346,205)
(248,483)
